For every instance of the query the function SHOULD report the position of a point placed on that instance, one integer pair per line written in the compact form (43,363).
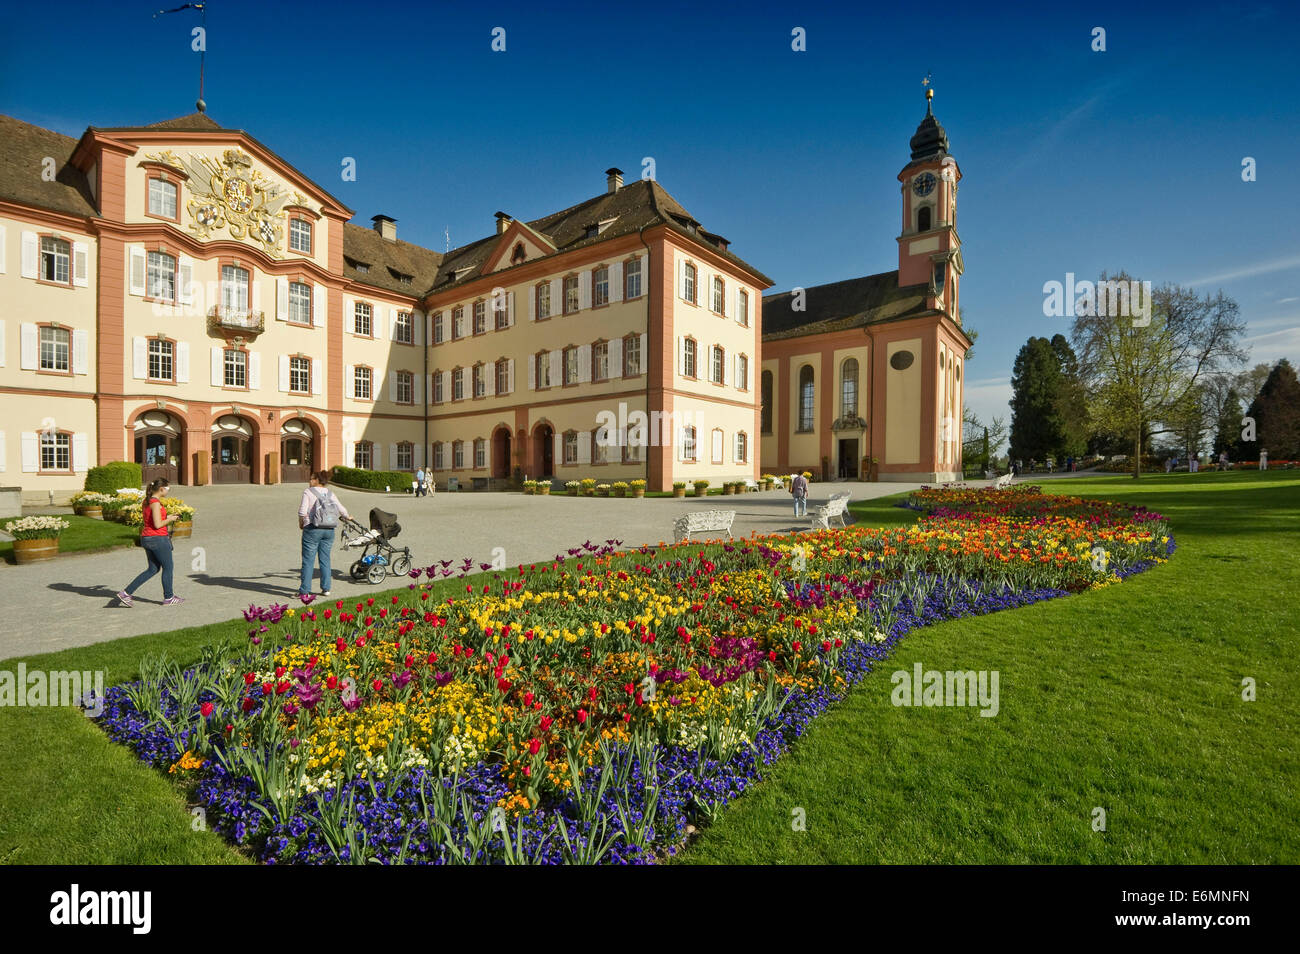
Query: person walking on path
(1169,464)
(318,516)
(799,488)
(156,540)
(1263,460)
(1223,460)
(420,489)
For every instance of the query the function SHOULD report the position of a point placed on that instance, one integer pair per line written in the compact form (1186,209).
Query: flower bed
(587,709)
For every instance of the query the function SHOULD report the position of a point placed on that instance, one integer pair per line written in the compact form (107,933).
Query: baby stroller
(378,556)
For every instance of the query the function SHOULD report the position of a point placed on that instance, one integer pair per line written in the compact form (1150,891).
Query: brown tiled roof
(23,149)
(636,206)
(388,261)
(851,303)
(194,122)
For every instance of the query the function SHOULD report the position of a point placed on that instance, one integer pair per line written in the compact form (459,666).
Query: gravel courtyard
(246,549)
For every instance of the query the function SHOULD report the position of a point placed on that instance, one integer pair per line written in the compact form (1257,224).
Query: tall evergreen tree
(1037,430)
(1228,425)
(1071,401)
(1277,415)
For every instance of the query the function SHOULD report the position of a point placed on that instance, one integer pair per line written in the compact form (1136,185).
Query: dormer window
(518,255)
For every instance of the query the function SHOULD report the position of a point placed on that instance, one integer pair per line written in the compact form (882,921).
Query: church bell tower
(929,251)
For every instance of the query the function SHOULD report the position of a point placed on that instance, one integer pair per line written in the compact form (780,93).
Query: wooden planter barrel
(36,551)
(679,491)
(638,491)
(94,513)
(182,528)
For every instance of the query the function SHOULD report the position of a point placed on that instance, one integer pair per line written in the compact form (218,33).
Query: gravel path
(246,549)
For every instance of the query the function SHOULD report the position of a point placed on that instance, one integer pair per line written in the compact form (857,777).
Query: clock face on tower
(924,184)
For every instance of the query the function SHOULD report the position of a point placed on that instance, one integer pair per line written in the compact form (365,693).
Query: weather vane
(929,93)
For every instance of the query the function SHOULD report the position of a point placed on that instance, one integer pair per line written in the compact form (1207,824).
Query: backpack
(324,512)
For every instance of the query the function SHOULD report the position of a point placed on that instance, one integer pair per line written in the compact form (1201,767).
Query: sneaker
(172,601)
(125,598)
(325,594)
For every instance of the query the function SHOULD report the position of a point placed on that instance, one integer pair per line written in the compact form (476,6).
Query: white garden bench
(837,506)
(752,485)
(702,521)
(1003,482)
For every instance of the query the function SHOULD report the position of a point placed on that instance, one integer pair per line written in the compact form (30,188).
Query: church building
(864,376)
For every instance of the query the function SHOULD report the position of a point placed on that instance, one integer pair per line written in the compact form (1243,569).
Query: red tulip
(534,746)
(772,655)
(249,678)
(797,645)
(340,644)
(247,704)
(582,716)
(267,687)
(546,722)
(206,709)
(378,684)
(528,698)
(279,671)
(332,682)
(591,693)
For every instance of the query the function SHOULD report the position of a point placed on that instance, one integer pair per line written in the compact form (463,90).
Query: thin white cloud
(1248,271)
(1286,301)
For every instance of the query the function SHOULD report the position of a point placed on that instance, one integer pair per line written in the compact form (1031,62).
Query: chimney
(386,226)
(503,222)
(613,180)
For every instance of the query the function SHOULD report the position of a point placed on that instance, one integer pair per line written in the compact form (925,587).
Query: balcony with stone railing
(234,321)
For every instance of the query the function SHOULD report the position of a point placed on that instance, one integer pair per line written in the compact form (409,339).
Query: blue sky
(1073,160)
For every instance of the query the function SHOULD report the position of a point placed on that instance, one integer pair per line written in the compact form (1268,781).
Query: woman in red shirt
(157,542)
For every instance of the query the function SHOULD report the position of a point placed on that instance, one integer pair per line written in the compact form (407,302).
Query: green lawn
(1127,698)
(83,533)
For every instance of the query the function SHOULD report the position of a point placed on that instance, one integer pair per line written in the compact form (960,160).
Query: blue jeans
(158,551)
(801,506)
(316,543)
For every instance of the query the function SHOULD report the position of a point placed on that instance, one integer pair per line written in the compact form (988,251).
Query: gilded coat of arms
(230,194)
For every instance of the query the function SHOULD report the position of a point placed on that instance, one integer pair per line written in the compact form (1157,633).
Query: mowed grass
(83,533)
(1127,699)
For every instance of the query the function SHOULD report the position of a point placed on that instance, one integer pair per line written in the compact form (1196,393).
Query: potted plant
(184,525)
(89,503)
(679,488)
(602,490)
(620,488)
(571,487)
(543,487)
(873,474)
(701,488)
(589,486)
(530,487)
(36,538)
(768,481)
(637,487)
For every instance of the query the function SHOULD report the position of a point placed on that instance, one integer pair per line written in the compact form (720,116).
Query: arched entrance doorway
(297,451)
(158,446)
(232,450)
(544,450)
(501,453)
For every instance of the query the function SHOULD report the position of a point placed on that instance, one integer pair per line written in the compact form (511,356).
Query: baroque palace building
(178,295)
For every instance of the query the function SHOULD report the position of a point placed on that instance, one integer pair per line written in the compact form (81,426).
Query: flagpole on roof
(200,105)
